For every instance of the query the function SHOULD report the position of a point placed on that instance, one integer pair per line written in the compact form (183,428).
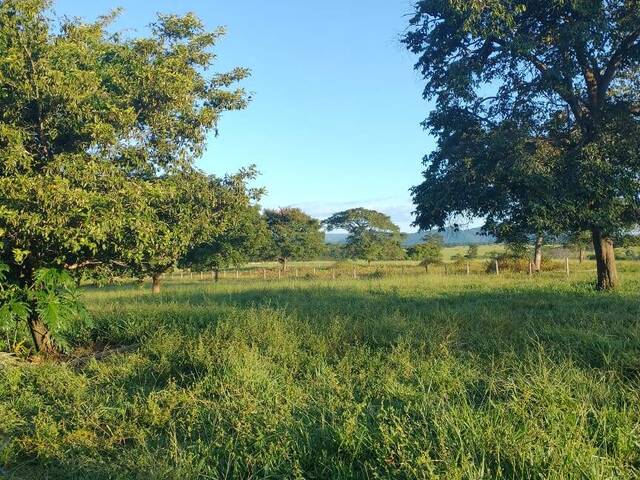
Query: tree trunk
(537,254)
(581,254)
(40,333)
(426,268)
(155,285)
(216,275)
(605,261)
(283,261)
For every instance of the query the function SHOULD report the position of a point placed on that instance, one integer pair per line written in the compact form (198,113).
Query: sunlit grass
(392,376)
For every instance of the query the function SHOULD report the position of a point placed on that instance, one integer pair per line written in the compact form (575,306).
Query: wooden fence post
(314,271)
(497,267)
(237,274)
(264,273)
(566,263)
(530,267)
(355,275)
(296,272)
(333,273)
(468,269)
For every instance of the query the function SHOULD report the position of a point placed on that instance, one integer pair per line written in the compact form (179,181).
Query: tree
(95,129)
(472,252)
(372,235)
(565,67)
(187,209)
(243,240)
(294,235)
(429,252)
(579,241)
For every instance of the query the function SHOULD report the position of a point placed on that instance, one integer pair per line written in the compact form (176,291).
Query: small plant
(53,299)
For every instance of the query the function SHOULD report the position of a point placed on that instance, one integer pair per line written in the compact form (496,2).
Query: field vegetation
(415,376)
(262,352)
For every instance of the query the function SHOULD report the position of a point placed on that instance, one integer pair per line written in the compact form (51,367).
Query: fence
(363,271)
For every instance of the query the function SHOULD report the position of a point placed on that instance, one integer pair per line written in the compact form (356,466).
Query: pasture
(386,376)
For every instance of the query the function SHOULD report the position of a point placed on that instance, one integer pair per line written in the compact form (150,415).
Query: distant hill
(451,237)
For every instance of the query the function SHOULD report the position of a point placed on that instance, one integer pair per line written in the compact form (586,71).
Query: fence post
(279,274)
(296,272)
(264,273)
(237,274)
(468,269)
(355,275)
(191,275)
(314,271)
(566,263)
(497,267)
(446,269)
(333,273)
(530,267)
(201,275)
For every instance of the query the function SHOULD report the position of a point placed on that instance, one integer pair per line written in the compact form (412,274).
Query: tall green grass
(405,377)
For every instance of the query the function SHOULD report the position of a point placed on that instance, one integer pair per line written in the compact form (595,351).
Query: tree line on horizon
(537,117)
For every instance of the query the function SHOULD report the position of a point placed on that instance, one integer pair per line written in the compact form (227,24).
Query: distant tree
(243,240)
(294,235)
(628,239)
(372,235)
(558,74)
(579,241)
(472,252)
(97,132)
(335,251)
(428,252)
(517,239)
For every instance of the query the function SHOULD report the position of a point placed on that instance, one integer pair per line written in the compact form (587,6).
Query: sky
(334,122)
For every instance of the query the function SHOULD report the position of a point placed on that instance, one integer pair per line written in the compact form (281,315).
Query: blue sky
(336,111)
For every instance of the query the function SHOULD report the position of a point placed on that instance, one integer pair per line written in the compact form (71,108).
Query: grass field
(416,376)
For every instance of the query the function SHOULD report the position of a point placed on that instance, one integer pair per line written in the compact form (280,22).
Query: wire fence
(343,270)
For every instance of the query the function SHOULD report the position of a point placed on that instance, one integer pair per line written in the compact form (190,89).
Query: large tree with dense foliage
(246,238)
(294,235)
(563,72)
(372,235)
(188,209)
(98,133)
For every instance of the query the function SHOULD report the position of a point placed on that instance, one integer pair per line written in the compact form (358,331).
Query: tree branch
(565,91)
(615,60)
